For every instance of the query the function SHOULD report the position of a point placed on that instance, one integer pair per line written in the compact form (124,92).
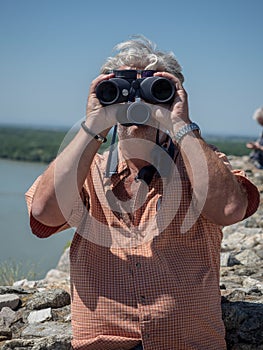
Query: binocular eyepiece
(125,87)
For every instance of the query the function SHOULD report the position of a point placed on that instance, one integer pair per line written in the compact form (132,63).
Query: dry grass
(12,271)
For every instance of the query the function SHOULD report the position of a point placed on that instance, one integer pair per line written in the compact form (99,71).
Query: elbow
(47,212)
(44,213)
(227,213)
(232,213)
(233,216)
(236,212)
(38,210)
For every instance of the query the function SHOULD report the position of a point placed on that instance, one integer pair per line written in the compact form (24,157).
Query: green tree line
(42,145)
(28,144)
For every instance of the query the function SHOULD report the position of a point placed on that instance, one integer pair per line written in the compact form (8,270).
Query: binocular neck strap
(111,167)
(170,146)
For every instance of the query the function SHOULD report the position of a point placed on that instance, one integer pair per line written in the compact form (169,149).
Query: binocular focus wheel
(138,113)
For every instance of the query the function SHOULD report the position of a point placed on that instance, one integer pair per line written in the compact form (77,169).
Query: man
(256,155)
(148,213)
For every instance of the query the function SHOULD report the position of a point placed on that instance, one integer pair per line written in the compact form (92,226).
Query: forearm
(216,191)
(218,194)
(62,182)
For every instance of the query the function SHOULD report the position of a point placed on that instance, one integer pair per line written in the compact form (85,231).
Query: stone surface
(63,264)
(7,316)
(39,316)
(9,300)
(46,329)
(49,298)
(41,322)
(46,343)
(42,318)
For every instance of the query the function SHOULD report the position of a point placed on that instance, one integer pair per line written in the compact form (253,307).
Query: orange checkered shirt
(144,268)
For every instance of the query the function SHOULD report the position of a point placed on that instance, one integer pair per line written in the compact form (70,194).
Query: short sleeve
(251,190)
(253,195)
(43,231)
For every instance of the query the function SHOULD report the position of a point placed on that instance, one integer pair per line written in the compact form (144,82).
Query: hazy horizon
(66,128)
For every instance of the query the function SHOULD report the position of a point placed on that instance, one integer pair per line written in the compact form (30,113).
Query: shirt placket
(140,273)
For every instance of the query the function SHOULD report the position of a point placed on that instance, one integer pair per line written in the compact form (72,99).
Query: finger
(171,77)
(93,102)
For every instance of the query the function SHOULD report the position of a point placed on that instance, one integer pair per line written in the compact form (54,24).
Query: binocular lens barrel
(157,90)
(107,92)
(115,90)
(162,90)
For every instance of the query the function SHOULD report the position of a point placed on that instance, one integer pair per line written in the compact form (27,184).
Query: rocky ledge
(36,314)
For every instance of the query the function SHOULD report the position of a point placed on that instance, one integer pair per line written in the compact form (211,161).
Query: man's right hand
(99,118)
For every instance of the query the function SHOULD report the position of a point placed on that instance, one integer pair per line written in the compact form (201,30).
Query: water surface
(17,243)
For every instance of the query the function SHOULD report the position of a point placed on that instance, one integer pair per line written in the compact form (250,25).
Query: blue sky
(52,49)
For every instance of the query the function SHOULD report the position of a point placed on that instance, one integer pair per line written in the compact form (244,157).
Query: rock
(224,259)
(39,316)
(48,343)
(49,298)
(41,321)
(63,264)
(9,300)
(14,290)
(55,275)
(7,316)
(46,329)
(247,258)
(25,283)
(252,283)
(228,259)
(244,326)
(5,334)
(232,241)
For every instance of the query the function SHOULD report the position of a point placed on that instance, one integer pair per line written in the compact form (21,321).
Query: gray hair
(141,52)
(258,114)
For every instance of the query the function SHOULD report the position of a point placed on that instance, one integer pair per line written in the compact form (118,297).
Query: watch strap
(184,131)
(97,137)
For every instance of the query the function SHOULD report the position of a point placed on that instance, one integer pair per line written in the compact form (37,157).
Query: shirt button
(143,299)
(139,265)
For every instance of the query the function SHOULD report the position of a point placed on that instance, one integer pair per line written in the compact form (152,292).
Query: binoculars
(125,87)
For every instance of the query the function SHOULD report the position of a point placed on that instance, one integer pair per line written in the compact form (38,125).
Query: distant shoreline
(41,145)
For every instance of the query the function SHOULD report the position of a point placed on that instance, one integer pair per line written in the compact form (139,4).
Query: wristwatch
(185,130)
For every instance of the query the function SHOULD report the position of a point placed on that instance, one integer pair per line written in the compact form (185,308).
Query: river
(17,244)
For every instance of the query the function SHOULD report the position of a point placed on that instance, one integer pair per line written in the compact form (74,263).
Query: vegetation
(230,145)
(43,145)
(12,271)
(36,145)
